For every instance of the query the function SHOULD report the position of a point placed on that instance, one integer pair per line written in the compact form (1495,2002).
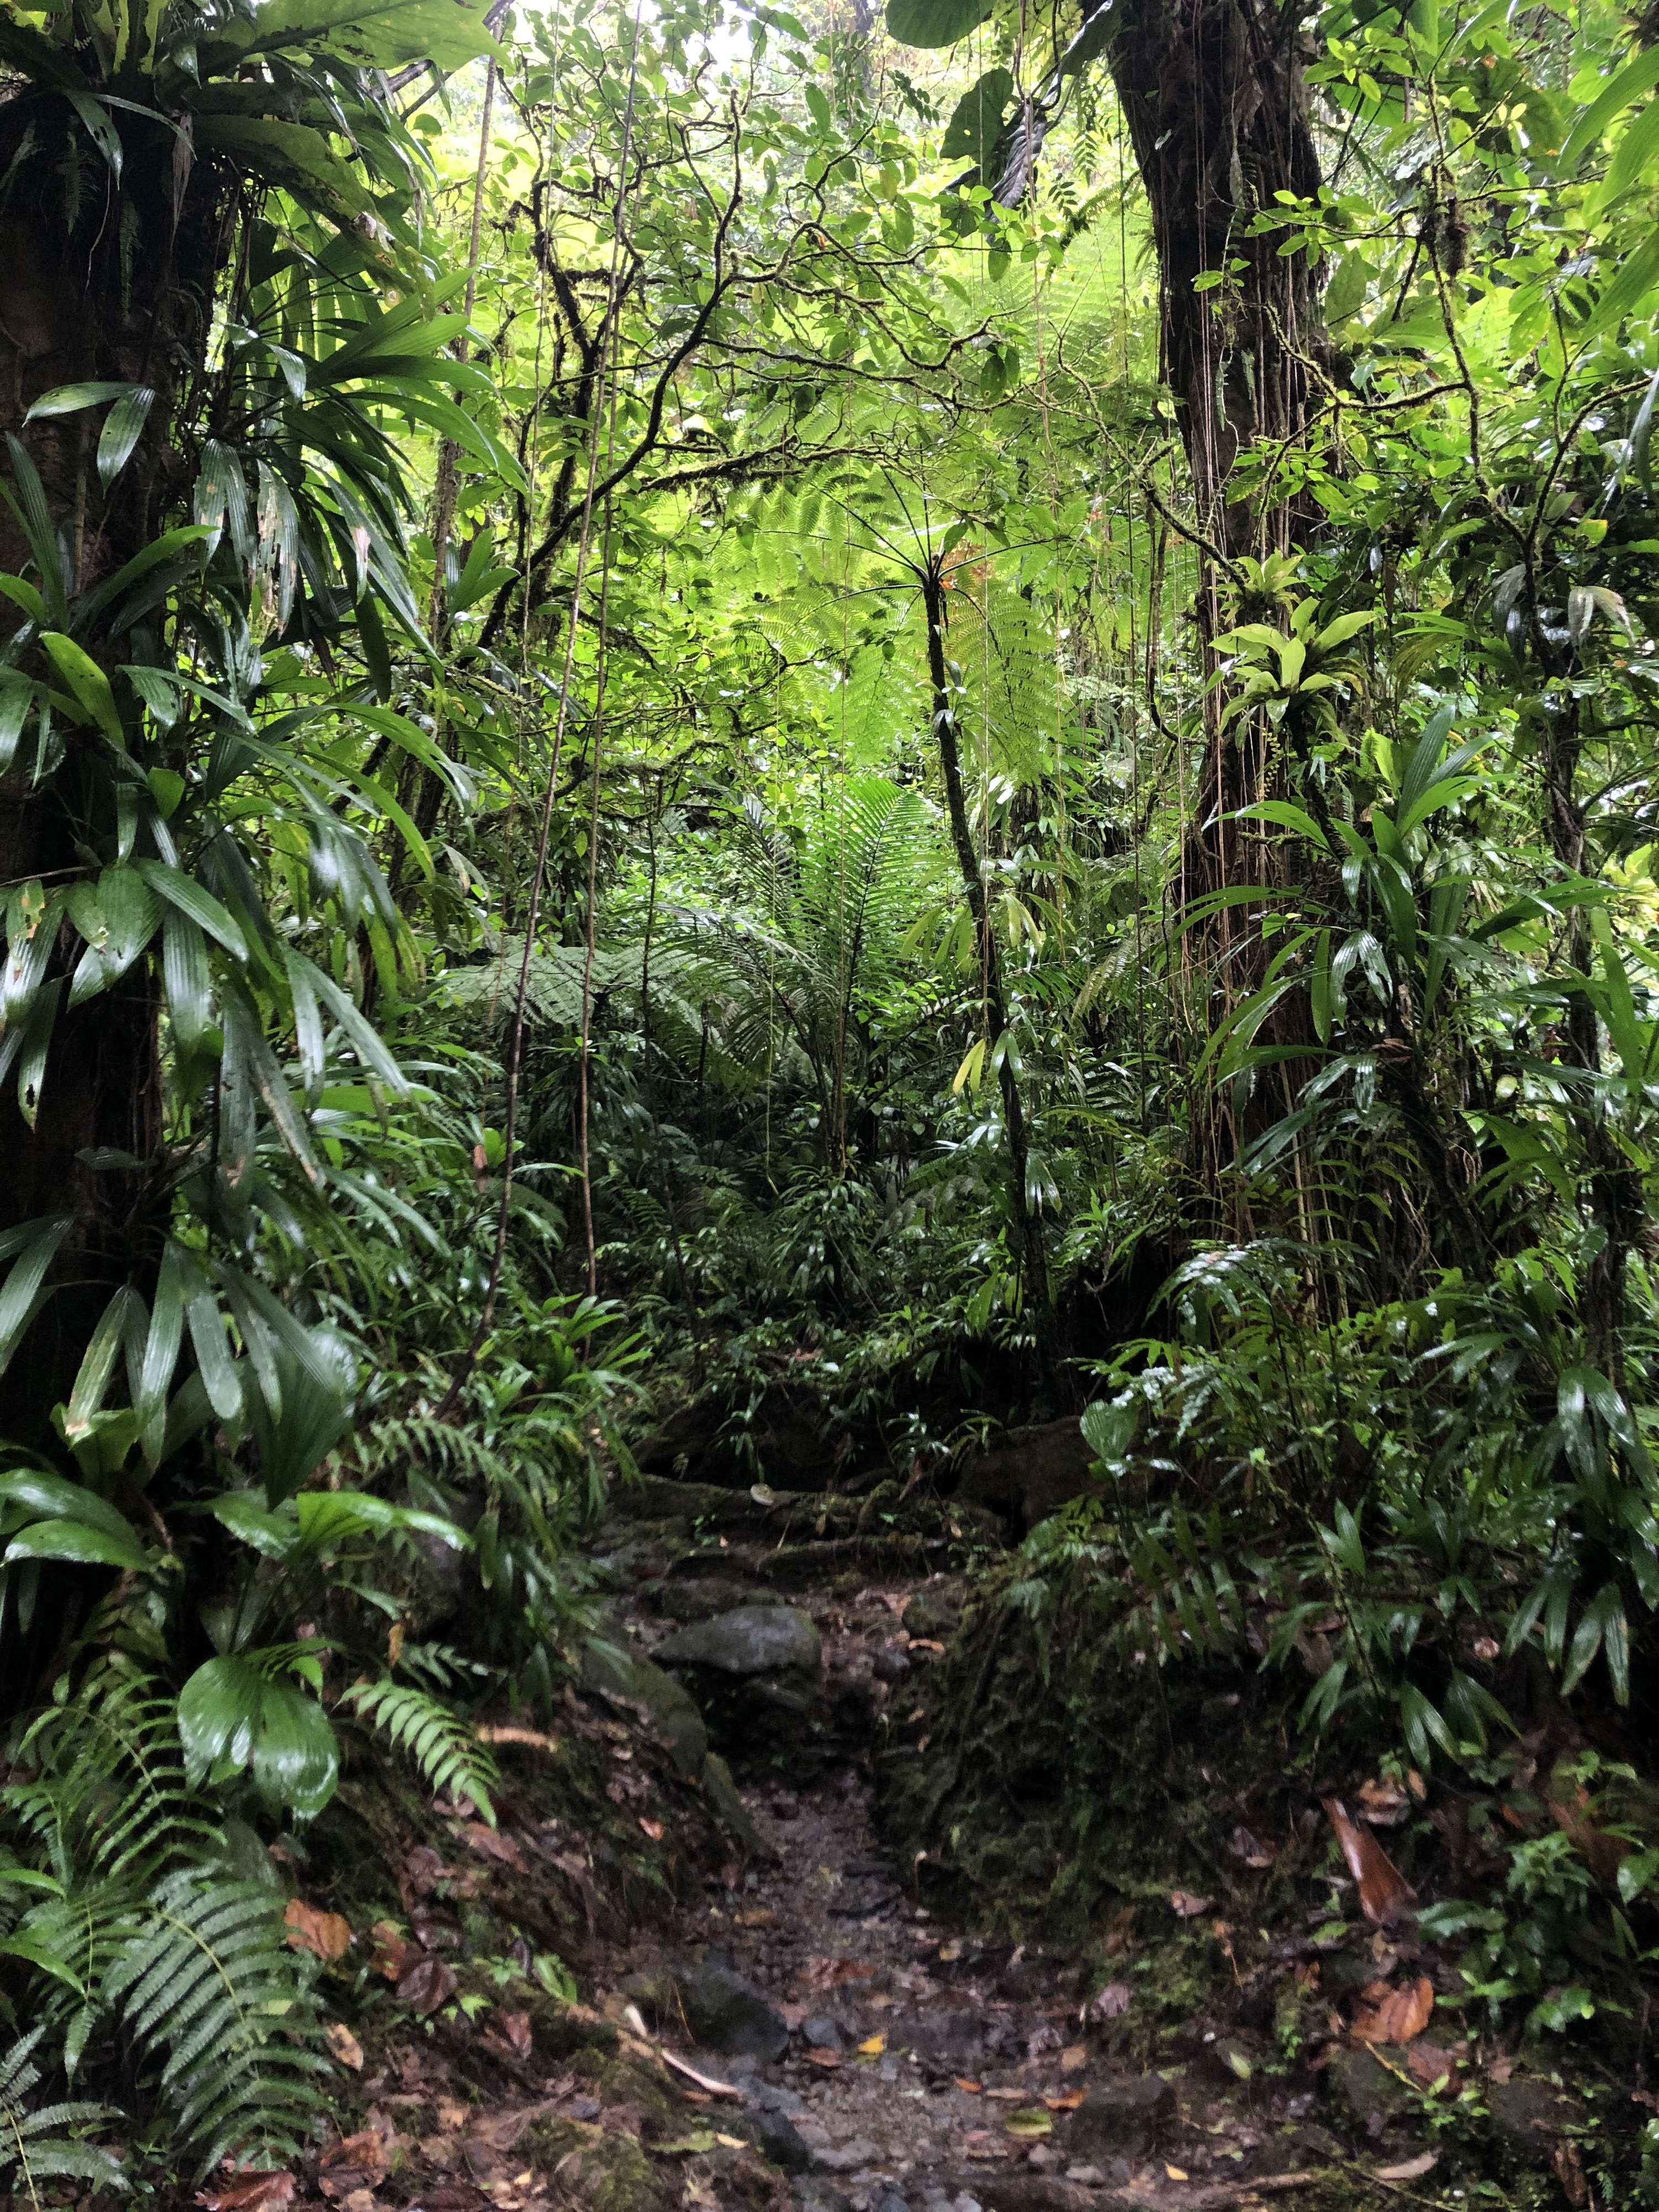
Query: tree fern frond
(441,1743)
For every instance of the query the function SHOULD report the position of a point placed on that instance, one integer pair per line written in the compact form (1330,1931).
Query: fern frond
(26,2137)
(441,1743)
(212,1989)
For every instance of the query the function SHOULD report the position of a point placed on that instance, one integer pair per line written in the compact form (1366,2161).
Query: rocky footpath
(687,1970)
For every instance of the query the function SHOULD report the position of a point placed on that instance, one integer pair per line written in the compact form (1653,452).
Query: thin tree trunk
(1027,1225)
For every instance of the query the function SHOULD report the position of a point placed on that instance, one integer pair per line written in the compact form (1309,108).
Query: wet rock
(949,2039)
(1121,2118)
(890,1664)
(775,2135)
(728,1809)
(724,2012)
(700,1597)
(1027,1473)
(757,1675)
(1527,2116)
(889,2200)
(824,2031)
(671,1711)
(934,1611)
(775,2097)
(1365,2092)
(846,2157)
(754,1639)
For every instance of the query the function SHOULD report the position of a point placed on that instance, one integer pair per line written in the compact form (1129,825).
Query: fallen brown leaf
(1111,2003)
(1174,2172)
(426,1985)
(394,1954)
(1569,2172)
(819,2054)
(652,1828)
(1384,1893)
(424,1869)
(1410,2169)
(760,1917)
(327,1934)
(1390,2016)
(1188,1906)
(249,2192)
(1068,2103)
(1073,2058)
(973,2089)
(515,2029)
(1487,1647)
(344,2045)
(364,2153)
(1120,1935)
(1242,1845)
(1430,2065)
(1383,1803)
(490,1844)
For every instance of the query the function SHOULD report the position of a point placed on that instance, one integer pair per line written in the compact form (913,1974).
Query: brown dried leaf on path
(490,1844)
(394,1954)
(1073,2058)
(426,1985)
(1187,1907)
(1569,2164)
(344,2045)
(1384,1893)
(1383,1803)
(249,2192)
(327,1934)
(1242,1845)
(1430,2066)
(1390,2016)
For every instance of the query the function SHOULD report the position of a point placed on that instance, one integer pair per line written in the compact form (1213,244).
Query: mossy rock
(601,2169)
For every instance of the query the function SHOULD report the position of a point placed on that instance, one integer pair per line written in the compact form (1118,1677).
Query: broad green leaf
(232,1714)
(934,22)
(184,893)
(87,682)
(22,1286)
(975,122)
(53,1498)
(79,1545)
(123,428)
(70,398)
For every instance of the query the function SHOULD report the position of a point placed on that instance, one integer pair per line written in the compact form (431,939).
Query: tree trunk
(1214,95)
(104,283)
(1027,1223)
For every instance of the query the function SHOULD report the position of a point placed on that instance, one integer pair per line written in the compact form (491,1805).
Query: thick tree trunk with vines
(1217,108)
(103,284)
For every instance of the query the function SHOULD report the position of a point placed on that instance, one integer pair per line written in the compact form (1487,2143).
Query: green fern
(212,1984)
(441,1743)
(133,1916)
(28,2137)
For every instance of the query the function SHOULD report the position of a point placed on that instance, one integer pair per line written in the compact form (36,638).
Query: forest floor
(770,2018)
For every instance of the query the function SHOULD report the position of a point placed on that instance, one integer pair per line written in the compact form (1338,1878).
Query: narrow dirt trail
(744,2004)
(891,2062)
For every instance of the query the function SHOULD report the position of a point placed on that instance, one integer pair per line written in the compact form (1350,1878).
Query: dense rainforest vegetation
(797,746)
